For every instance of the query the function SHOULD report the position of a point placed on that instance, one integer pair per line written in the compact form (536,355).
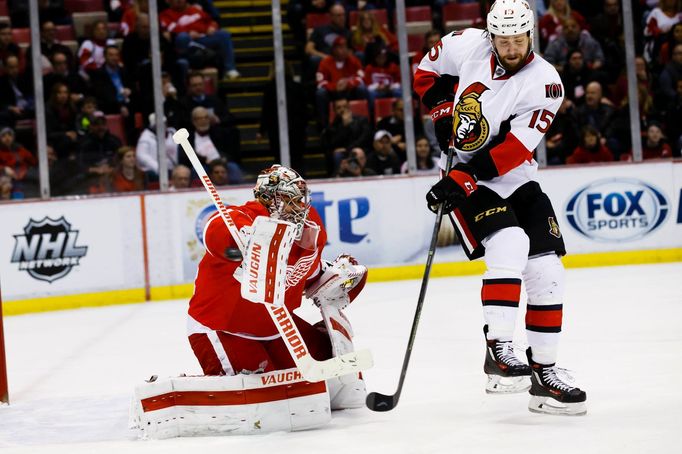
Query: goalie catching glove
(339,282)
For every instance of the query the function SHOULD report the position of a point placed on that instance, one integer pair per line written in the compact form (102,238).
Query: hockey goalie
(251,384)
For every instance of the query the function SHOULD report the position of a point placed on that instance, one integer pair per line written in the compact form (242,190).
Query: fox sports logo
(618,209)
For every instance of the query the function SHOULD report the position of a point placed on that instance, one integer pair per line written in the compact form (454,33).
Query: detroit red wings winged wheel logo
(470,128)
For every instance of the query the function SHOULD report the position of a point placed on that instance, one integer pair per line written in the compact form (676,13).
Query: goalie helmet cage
(4,391)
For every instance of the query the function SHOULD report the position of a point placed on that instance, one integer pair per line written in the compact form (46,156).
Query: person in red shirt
(382,77)
(590,149)
(192,25)
(339,75)
(15,160)
(231,335)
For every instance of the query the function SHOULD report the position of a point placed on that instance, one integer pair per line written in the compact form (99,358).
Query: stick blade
(381,402)
(180,136)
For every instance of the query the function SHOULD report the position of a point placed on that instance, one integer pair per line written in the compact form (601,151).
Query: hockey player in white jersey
(493,99)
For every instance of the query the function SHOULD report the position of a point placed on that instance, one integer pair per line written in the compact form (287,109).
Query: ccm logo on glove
(441,115)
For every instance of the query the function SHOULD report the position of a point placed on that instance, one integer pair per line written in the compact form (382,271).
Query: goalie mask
(285,194)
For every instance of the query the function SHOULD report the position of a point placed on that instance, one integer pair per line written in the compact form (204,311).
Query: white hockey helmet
(511,17)
(285,194)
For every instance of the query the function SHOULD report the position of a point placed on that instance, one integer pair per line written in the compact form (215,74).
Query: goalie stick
(381,402)
(311,369)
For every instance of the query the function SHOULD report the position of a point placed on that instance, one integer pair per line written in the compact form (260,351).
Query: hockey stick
(381,402)
(311,369)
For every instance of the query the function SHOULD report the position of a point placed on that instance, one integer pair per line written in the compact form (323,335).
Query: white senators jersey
(499,117)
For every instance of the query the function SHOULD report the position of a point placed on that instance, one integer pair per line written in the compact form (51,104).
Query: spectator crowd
(99,99)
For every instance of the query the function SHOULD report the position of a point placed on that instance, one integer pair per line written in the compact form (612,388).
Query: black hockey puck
(233,253)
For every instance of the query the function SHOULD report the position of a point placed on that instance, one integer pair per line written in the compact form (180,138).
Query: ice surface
(71,374)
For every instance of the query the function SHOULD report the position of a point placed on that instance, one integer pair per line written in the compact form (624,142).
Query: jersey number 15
(543,122)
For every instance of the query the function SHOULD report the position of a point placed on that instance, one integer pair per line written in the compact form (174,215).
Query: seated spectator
(16,94)
(618,135)
(338,76)
(64,172)
(218,173)
(673,123)
(395,124)
(210,143)
(620,89)
(551,24)
(180,178)
(6,185)
(15,160)
(654,144)
(431,38)
(86,115)
(297,10)
(297,118)
(383,159)
(354,164)
(590,149)
(147,149)
(49,44)
(319,45)
(126,176)
(110,84)
(576,76)
(96,154)
(62,72)
(192,26)
(130,16)
(196,97)
(607,26)
(52,10)
(8,46)
(659,22)
(674,38)
(572,37)
(595,111)
(382,77)
(562,136)
(60,120)
(672,72)
(427,163)
(346,132)
(369,36)
(116,8)
(91,51)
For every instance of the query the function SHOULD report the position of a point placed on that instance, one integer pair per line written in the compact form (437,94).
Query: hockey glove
(442,119)
(456,186)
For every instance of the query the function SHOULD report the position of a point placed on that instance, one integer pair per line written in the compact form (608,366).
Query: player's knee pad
(544,278)
(233,404)
(506,252)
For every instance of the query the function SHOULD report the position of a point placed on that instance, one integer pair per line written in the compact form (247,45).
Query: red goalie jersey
(217,302)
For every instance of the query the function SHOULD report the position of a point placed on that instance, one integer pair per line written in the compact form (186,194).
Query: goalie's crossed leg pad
(223,353)
(239,404)
(485,212)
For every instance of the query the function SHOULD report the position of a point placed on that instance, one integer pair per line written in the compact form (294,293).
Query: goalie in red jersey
(232,335)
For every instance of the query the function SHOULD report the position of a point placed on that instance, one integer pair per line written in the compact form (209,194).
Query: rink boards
(94,251)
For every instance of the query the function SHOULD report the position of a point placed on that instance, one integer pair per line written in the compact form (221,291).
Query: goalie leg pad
(239,404)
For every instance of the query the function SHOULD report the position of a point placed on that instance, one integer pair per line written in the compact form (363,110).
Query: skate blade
(507,385)
(549,406)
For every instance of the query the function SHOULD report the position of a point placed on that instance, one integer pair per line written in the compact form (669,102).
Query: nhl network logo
(47,250)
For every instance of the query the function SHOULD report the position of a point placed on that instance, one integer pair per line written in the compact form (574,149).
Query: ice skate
(506,373)
(551,395)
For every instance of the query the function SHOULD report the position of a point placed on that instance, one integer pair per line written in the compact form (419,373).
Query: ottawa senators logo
(553,227)
(470,128)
